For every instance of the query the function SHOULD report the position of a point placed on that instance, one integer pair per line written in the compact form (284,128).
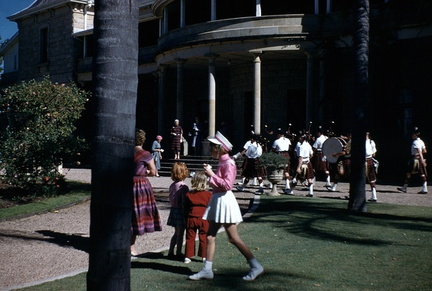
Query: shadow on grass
(313,218)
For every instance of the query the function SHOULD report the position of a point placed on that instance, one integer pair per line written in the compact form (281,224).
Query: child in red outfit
(194,207)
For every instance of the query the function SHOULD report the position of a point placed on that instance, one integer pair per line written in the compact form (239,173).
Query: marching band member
(281,146)
(370,167)
(417,163)
(342,169)
(251,167)
(321,162)
(304,152)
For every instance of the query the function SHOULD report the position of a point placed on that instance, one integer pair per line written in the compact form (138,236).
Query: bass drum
(331,146)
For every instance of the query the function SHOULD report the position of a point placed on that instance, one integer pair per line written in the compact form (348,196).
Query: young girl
(223,210)
(176,218)
(194,207)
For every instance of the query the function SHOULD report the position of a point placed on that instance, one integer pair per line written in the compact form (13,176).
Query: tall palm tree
(360,94)
(115,78)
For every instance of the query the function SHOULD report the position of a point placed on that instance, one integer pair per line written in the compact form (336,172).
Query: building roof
(8,44)
(42,5)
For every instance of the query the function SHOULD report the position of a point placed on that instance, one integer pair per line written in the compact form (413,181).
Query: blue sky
(7,8)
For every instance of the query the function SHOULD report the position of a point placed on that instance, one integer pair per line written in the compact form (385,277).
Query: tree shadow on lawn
(312,218)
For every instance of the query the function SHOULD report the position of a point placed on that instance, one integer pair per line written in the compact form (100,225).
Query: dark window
(148,33)
(197,11)
(43,45)
(89,43)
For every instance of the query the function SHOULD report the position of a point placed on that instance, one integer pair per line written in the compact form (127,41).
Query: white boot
(424,189)
(205,273)
(287,189)
(255,181)
(328,183)
(310,193)
(255,270)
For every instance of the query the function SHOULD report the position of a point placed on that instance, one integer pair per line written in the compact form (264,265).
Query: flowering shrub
(37,120)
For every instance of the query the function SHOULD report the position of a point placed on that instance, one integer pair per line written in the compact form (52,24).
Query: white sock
(287,184)
(425,187)
(328,180)
(208,265)
(311,189)
(261,184)
(374,197)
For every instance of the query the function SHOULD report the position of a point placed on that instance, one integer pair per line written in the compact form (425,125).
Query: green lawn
(305,244)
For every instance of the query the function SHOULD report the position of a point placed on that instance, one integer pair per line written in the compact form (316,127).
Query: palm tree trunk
(357,199)
(115,91)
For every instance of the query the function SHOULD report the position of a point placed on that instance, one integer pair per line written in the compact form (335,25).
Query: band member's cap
(416,130)
(220,140)
(280,131)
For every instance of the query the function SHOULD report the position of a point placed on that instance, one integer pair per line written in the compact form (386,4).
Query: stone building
(246,63)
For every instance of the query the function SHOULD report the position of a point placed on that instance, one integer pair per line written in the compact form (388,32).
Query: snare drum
(331,146)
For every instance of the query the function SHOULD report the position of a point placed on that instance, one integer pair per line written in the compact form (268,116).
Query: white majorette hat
(220,139)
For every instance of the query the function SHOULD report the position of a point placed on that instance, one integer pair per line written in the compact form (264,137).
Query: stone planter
(275,176)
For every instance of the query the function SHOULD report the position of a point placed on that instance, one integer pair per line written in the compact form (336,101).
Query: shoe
(187,261)
(260,191)
(327,185)
(309,195)
(373,200)
(288,191)
(402,189)
(203,259)
(422,192)
(254,273)
(203,274)
(330,188)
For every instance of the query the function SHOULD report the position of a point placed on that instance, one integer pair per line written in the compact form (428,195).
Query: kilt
(370,171)
(320,165)
(252,168)
(287,166)
(415,167)
(310,174)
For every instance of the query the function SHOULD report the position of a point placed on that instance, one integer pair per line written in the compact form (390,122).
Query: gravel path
(53,245)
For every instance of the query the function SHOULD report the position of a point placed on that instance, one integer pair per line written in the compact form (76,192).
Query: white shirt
(417,146)
(282,144)
(370,148)
(319,142)
(304,150)
(253,149)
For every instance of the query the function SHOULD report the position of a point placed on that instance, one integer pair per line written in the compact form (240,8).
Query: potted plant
(274,164)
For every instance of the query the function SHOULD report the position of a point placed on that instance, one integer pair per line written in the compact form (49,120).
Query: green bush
(38,133)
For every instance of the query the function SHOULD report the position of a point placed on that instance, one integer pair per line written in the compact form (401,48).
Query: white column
(180,69)
(165,21)
(316,7)
(182,13)
(257,94)
(329,6)
(161,99)
(212,95)
(213,10)
(258,8)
